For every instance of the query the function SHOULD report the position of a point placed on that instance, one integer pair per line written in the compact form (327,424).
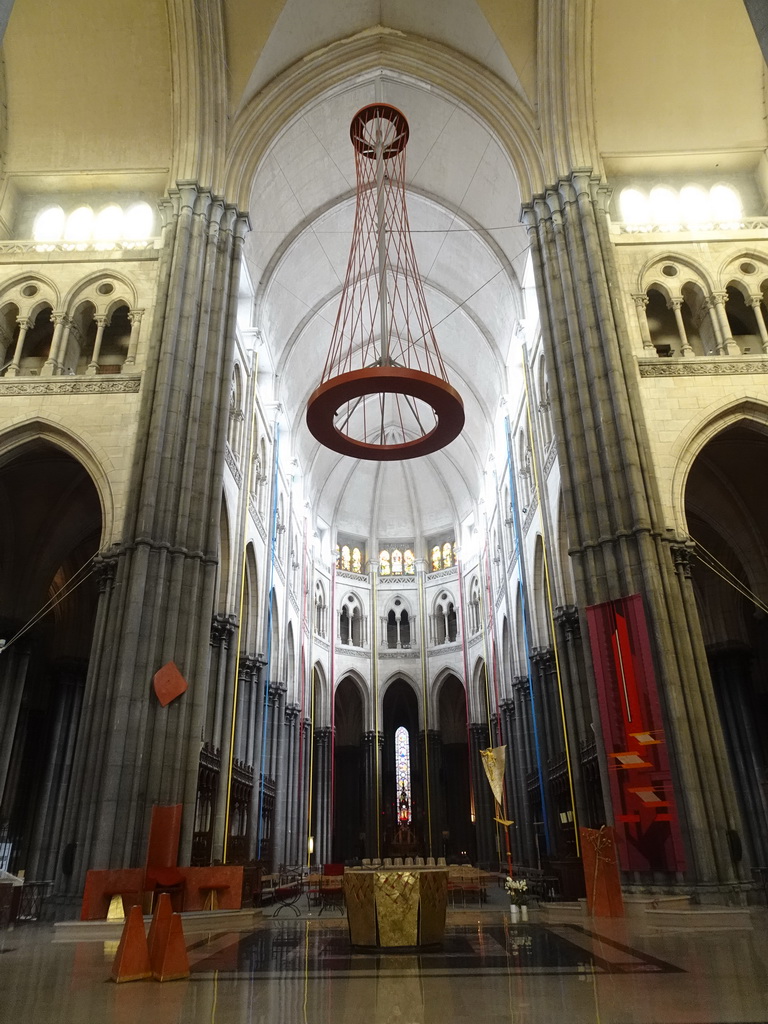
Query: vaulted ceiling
(634,87)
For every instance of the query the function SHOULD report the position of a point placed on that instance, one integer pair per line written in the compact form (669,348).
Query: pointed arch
(249,628)
(92,456)
(439,68)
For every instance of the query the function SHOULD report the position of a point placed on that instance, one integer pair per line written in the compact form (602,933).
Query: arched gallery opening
(725,511)
(50,528)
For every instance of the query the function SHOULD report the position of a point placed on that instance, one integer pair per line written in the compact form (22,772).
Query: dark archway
(458,833)
(725,512)
(50,528)
(349,794)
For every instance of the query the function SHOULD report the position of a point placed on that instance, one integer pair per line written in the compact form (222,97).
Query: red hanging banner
(645,813)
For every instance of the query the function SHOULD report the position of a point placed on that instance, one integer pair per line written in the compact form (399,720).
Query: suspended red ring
(433,391)
(386,112)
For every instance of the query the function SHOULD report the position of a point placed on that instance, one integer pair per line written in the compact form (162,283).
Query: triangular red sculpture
(170,961)
(131,961)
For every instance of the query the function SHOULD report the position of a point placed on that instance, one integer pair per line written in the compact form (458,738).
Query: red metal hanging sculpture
(384,393)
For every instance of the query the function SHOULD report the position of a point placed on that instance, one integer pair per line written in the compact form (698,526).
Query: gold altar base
(396,908)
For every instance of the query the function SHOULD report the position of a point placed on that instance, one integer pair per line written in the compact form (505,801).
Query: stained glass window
(338,557)
(408,565)
(345,558)
(384,569)
(397,563)
(357,560)
(403,775)
(447,555)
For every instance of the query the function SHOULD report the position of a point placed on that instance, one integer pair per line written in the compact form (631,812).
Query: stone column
(93,366)
(372,785)
(550,733)
(259,767)
(616,529)
(292,782)
(244,676)
(483,799)
(755,302)
(24,324)
(275,692)
(507,709)
(53,364)
(304,831)
(164,598)
(135,317)
(576,702)
(280,820)
(323,748)
(718,300)
(523,766)
(223,628)
(685,347)
(641,302)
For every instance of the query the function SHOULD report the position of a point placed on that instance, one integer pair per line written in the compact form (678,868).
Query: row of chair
(400,862)
(467,884)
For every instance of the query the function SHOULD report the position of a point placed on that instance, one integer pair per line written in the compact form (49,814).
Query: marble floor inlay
(299,948)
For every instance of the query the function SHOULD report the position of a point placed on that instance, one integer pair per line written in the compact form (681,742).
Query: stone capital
(682,558)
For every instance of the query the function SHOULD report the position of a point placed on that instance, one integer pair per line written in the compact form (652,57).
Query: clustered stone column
(132,753)
(372,786)
(616,534)
(322,795)
(485,829)
(430,748)
(290,853)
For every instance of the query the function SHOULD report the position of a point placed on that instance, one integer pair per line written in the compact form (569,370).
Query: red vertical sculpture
(645,813)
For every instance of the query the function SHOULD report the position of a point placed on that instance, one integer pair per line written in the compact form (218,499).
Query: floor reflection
(293,949)
(488,972)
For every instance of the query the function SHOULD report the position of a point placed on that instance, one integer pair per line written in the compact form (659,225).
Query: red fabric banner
(645,812)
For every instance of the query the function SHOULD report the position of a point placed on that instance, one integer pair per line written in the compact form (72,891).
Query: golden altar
(396,907)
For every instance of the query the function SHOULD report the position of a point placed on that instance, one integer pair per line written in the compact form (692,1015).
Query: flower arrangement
(517,890)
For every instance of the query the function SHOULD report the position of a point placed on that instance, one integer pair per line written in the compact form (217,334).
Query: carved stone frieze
(33,246)
(353,652)
(355,577)
(441,574)
(551,457)
(442,649)
(234,469)
(118,385)
(530,513)
(702,367)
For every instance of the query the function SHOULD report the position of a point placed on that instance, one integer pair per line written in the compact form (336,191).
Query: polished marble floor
(303,971)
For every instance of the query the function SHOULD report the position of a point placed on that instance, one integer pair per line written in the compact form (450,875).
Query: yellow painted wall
(676,75)
(89,85)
